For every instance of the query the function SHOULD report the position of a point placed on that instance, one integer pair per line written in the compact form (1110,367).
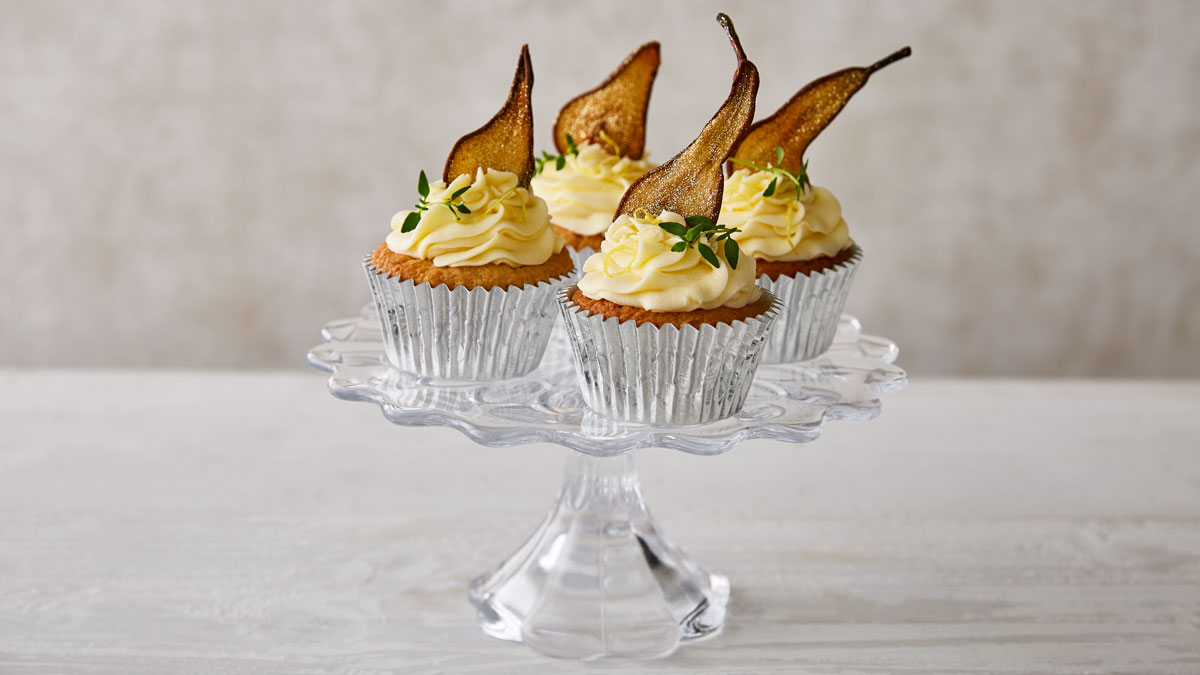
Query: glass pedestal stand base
(598,578)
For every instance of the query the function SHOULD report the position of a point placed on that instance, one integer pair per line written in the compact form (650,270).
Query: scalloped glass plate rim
(353,356)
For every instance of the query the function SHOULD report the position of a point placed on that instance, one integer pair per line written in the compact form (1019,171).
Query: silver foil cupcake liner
(667,375)
(580,256)
(461,333)
(811,307)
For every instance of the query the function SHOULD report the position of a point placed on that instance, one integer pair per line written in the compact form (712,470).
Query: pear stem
(727,24)
(890,59)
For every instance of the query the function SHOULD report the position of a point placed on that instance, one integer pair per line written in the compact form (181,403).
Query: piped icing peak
(639,266)
(783,226)
(584,194)
(503,223)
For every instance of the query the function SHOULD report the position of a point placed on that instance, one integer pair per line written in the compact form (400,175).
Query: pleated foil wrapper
(580,256)
(461,333)
(811,308)
(669,375)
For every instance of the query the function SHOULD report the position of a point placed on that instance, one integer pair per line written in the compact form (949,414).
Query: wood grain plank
(221,523)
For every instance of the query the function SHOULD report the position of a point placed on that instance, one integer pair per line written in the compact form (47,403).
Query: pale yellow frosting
(584,195)
(507,224)
(782,227)
(637,268)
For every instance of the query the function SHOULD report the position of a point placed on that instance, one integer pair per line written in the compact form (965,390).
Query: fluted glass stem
(598,579)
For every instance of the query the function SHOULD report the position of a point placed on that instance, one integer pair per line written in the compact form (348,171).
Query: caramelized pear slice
(505,143)
(617,107)
(691,182)
(805,115)
(727,24)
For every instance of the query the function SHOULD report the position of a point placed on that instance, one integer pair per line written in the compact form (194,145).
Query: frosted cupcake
(583,195)
(667,323)
(465,282)
(795,230)
(803,254)
(600,141)
(664,333)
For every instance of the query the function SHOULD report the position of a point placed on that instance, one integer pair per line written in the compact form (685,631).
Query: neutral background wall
(193,183)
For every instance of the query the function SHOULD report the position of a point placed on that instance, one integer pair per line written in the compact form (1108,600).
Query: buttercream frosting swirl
(506,224)
(637,268)
(584,194)
(782,227)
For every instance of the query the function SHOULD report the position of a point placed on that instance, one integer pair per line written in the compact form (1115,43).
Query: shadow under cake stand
(598,578)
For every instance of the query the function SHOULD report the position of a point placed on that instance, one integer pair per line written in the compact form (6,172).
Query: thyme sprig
(696,227)
(799,179)
(560,161)
(454,203)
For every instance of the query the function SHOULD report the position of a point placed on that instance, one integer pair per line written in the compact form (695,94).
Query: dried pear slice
(505,143)
(805,115)
(727,24)
(617,107)
(691,182)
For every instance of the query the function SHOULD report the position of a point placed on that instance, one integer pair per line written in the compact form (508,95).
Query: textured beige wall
(193,183)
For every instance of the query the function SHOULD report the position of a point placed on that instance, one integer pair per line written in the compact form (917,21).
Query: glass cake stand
(598,578)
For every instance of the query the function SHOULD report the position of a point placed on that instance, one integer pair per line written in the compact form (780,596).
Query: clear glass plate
(787,402)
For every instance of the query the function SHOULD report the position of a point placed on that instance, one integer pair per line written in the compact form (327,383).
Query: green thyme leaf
(731,252)
(410,222)
(459,192)
(674,228)
(799,179)
(423,185)
(702,227)
(770,186)
(462,208)
(560,161)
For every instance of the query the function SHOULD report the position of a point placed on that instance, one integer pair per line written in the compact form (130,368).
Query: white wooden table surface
(250,523)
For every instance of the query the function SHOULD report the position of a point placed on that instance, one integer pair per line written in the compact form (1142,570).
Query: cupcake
(465,282)
(667,323)
(600,140)
(794,230)
(803,254)
(583,195)
(661,334)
